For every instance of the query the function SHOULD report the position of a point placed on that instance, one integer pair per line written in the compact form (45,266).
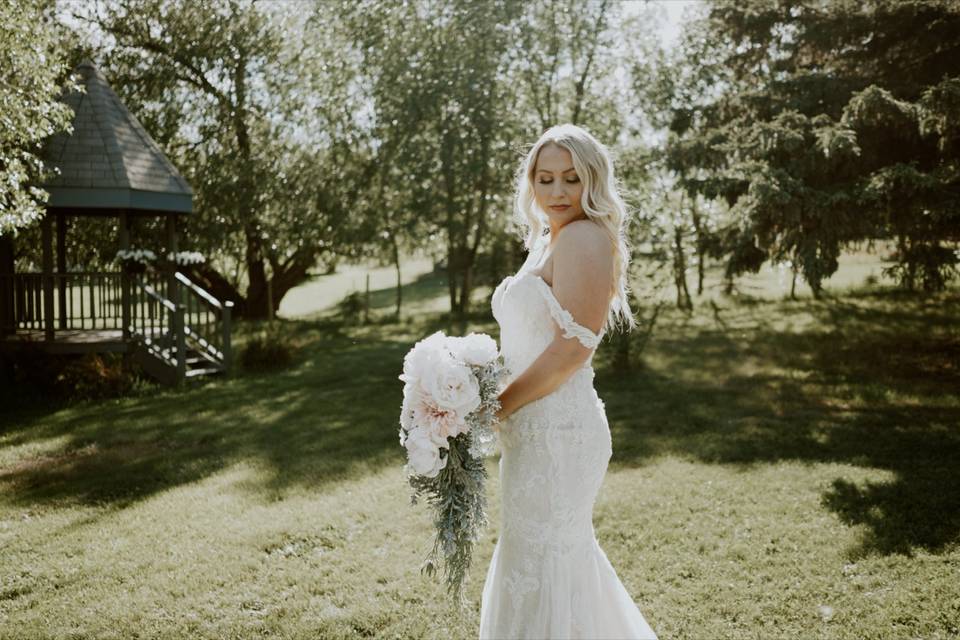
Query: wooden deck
(69,340)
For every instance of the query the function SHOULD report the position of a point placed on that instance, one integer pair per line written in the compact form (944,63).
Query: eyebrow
(545,171)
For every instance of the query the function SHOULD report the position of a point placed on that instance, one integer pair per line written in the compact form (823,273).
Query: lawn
(781,469)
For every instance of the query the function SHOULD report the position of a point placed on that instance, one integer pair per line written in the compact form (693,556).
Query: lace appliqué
(571,328)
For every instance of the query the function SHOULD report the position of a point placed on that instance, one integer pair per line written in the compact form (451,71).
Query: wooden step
(193,373)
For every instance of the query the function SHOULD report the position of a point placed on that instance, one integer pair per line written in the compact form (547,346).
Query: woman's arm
(582,275)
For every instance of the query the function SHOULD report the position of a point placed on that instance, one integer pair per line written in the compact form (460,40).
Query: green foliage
(270,348)
(34,373)
(253,103)
(821,125)
(456,89)
(33,63)
(351,308)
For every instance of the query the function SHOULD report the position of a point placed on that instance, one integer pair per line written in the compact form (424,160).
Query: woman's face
(556,185)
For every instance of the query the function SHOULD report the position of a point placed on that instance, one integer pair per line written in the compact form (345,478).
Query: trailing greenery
(458,499)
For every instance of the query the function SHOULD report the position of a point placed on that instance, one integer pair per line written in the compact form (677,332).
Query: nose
(556,189)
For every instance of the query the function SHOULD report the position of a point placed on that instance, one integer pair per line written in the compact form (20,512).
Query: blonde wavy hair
(601,202)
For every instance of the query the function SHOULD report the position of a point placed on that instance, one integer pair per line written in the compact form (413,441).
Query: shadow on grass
(866,380)
(332,416)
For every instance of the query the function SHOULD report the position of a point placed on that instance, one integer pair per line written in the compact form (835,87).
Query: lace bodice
(527,321)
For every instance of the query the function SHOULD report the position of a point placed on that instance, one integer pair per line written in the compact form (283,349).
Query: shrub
(33,373)
(351,308)
(95,376)
(269,349)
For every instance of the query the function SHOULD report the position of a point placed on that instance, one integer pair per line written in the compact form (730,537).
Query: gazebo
(110,167)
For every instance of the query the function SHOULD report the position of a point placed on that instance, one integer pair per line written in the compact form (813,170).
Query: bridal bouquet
(446,425)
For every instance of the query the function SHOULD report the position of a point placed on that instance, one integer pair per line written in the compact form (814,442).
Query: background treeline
(776,132)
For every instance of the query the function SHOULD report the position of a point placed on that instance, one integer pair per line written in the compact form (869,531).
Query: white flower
(453,385)
(439,422)
(142,256)
(423,455)
(423,357)
(441,388)
(475,349)
(406,409)
(185,257)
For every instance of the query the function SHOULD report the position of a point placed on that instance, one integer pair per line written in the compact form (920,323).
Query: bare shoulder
(584,241)
(583,272)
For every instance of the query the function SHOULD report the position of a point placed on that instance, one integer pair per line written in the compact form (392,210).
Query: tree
(261,126)
(456,88)
(34,67)
(565,52)
(442,117)
(827,125)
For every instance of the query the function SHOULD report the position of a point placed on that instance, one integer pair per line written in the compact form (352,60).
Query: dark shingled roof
(110,161)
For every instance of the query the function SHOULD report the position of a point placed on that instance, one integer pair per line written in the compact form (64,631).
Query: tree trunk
(680,271)
(396,262)
(287,278)
(909,268)
(701,245)
(728,283)
(452,265)
(581,85)
(793,280)
(466,285)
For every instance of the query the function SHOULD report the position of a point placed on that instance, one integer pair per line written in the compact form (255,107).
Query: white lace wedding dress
(548,577)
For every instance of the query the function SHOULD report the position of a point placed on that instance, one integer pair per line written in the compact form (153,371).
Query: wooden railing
(81,300)
(197,322)
(207,321)
(151,313)
(169,328)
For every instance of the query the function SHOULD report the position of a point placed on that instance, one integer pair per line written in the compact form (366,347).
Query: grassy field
(782,469)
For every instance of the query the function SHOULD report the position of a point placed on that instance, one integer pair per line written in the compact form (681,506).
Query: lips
(559,207)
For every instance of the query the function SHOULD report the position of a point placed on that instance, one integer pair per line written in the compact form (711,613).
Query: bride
(549,578)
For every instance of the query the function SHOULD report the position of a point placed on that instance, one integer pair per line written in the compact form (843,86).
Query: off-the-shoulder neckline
(549,291)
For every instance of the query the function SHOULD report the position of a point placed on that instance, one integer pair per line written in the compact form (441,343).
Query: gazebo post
(62,267)
(46,229)
(7,321)
(124,276)
(177,318)
(172,242)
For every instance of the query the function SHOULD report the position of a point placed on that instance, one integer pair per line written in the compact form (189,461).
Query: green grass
(781,469)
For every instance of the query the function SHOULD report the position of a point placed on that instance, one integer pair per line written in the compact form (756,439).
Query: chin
(563,218)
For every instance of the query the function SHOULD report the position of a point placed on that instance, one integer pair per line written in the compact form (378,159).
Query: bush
(932,265)
(95,376)
(351,308)
(32,373)
(269,349)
